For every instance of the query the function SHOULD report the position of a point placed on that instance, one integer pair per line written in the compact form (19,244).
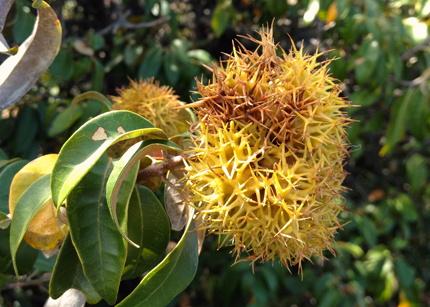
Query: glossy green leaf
(99,244)
(92,140)
(171,69)
(98,76)
(21,71)
(68,273)
(127,162)
(25,257)
(149,227)
(3,155)
(406,208)
(331,298)
(152,63)
(26,130)
(63,66)
(65,120)
(418,115)
(44,264)
(277,7)
(405,272)
(397,124)
(119,188)
(370,53)
(220,20)
(96,96)
(417,172)
(202,56)
(4,221)
(170,277)
(25,20)
(368,229)
(7,162)
(28,205)
(3,281)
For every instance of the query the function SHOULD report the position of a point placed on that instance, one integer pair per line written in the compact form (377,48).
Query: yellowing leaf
(331,13)
(43,232)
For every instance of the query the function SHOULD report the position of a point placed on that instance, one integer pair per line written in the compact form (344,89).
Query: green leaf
(369,52)
(4,221)
(4,163)
(68,273)
(65,120)
(418,114)
(93,95)
(124,165)
(97,41)
(25,132)
(25,257)
(171,69)
(119,188)
(63,66)
(21,71)
(28,205)
(397,124)
(331,298)
(417,172)
(3,281)
(24,21)
(277,7)
(152,63)
(98,243)
(82,67)
(406,208)
(6,177)
(44,264)
(170,277)
(3,155)
(149,227)
(220,20)
(368,229)
(98,76)
(92,140)
(201,55)
(405,272)
(354,249)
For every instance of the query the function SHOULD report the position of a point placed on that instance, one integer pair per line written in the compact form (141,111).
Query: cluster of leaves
(383,59)
(104,206)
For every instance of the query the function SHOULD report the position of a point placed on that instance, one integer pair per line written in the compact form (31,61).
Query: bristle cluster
(266,170)
(155,103)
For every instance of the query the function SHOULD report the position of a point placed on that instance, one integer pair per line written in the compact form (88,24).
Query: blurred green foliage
(383,58)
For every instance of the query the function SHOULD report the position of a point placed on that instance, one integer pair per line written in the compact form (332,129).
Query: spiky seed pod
(267,167)
(286,93)
(155,103)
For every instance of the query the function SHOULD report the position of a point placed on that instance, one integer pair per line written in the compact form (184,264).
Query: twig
(28,282)
(417,48)
(161,169)
(122,22)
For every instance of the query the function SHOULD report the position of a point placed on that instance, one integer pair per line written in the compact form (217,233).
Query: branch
(160,169)
(122,22)
(417,48)
(28,282)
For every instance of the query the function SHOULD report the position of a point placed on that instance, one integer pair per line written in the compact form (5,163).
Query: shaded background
(383,58)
